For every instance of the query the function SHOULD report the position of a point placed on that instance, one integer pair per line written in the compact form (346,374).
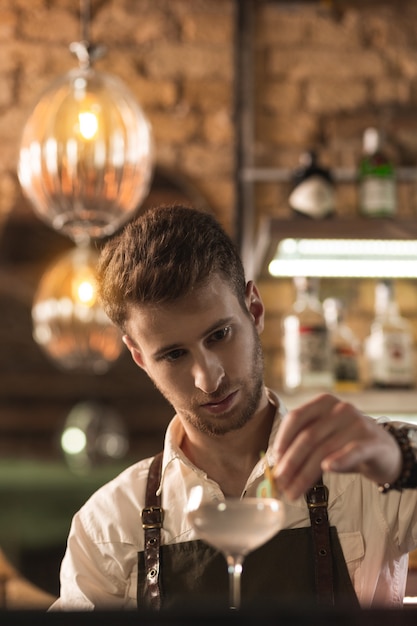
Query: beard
(252,391)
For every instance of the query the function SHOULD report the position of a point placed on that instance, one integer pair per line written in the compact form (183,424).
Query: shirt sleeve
(94,574)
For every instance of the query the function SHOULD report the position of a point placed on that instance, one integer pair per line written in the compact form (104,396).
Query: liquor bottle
(313,189)
(376,178)
(389,346)
(345,347)
(306,341)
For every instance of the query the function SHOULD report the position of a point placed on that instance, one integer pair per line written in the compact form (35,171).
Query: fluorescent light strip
(355,258)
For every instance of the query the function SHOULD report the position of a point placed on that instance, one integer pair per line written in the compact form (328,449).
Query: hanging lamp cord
(85,51)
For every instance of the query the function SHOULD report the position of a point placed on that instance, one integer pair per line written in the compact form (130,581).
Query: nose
(208,372)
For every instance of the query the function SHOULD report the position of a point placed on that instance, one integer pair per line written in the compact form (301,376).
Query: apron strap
(317,499)
(152,517)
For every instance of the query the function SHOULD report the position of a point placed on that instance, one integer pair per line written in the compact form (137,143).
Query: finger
(305,451)
(329,438)
(376,456)
(295,480)
(313,425)
(348,459)
(300,481)
(297,419)
(364,447)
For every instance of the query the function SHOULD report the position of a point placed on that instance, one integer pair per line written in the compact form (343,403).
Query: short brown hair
(162,255)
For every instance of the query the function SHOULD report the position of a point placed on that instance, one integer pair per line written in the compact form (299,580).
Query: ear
(255,305)
(134,351)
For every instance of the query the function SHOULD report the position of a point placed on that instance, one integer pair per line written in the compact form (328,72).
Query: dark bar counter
(262,616)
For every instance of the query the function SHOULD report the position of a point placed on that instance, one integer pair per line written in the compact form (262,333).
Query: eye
(174,355)
(219,335)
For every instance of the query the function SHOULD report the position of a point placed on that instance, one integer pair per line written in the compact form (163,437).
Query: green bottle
(377,182)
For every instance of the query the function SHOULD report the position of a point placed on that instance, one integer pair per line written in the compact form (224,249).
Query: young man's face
(203,353)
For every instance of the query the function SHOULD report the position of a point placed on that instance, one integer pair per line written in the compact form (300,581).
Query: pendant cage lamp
(86,154)
(68,322)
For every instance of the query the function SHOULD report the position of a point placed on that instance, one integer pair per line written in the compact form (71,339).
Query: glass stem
(234,567)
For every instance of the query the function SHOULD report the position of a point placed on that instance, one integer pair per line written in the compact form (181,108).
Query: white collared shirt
(99,569)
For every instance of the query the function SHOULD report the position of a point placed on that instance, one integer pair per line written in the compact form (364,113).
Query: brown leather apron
(301,565)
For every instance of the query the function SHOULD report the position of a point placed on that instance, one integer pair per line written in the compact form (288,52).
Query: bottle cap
(333,310)
(307,283)
(307,158)
(384,293)
(372,140)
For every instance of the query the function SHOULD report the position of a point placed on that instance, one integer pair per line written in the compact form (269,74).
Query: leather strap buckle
(317,496)
(152,517)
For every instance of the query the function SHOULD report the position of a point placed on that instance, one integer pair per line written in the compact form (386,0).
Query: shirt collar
(175,433)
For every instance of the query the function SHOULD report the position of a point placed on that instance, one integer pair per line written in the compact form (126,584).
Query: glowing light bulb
(86,293)
(83,287)
(88,124)
(73,440)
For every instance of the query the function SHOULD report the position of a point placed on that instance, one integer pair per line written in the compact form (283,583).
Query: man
(174,283)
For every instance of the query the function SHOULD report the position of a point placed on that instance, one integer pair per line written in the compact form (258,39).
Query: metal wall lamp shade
(86,155)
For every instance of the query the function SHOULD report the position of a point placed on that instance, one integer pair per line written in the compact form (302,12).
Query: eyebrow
(158,355)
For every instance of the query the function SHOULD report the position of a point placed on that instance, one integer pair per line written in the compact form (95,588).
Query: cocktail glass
(235,527)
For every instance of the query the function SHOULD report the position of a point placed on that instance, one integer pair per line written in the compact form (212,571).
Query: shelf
(389,402)
(340,175)
(348,228)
